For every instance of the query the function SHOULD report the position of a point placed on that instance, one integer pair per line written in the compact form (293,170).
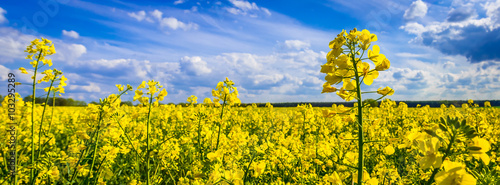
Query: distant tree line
(58,101)
(373,103)
(457,103)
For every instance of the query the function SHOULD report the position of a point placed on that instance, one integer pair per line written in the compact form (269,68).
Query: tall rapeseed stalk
(345,64)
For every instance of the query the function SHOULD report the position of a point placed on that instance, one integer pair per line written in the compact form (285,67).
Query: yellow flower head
(385,91)
(120,87)
(487,104)
(333,179)
(429,148)
(162,94)
(366,38)
(39,49)
(23,70)
(327,88)
(389,150)
(454,174)
(192,99)
(484,146)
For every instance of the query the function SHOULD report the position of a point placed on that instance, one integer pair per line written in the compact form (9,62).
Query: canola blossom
(257,145)
(218,141)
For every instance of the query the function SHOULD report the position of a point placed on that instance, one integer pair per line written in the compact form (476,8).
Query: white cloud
(68,52)
(193,9)
(266,11)
(469,29)
(169,22)
(72,34)
(13,44)
(493,12)
(194,65)
(297,44)
(417,9)
(242,7)
(411,55)
(179,2)
(448,64)
(234,11)
(5,71)
(91,88)
(285,88)
(244,62)
(175,24)
(141,15)
(157,14)
(267,78)
(2,15)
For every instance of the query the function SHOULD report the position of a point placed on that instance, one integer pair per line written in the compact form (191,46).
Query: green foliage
(371,102)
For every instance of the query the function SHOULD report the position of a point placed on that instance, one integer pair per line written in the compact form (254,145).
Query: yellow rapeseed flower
(23,70)
(454,174)
(429,149)
(481,154)
(385,91)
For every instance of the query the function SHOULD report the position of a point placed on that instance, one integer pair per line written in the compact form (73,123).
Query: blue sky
(272,50)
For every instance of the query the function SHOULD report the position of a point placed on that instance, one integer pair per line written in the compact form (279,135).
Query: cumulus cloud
(493,12)
(179,2)
(4,70)
(194,65)
(242,7)
(411,55)
(71,33)
(417,9)
(13,44)
(69,52)
(173,23)
(267,78)
(157,14)
(91,88)
(2,15)
(268,13)
(463,32)
(168,22)
(141,15)
(460,14)
(297,44)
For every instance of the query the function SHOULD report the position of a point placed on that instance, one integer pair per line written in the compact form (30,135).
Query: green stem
(147,137)
(128,138)
(77,164)
(41,121)
(248,168)
(99,170)
(53,105)
(360,121)
(32,171)
(199,139)
(220,125)
(101,114)
(446,154)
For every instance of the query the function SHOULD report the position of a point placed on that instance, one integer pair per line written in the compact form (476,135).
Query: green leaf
(456,123)
(443,127)
(430,132)
(474,148)
(442,120)
(470,133)
(433,134)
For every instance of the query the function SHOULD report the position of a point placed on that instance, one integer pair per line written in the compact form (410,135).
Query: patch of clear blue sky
(314,14)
